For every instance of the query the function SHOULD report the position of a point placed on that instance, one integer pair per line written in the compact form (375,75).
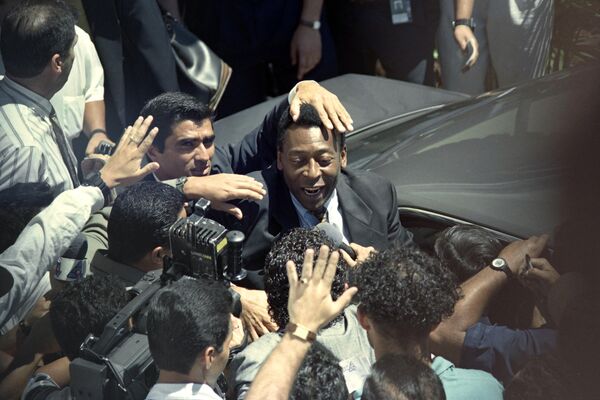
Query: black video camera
(118,365)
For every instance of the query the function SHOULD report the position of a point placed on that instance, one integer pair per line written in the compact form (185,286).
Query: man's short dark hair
(291,246)
(140,220)
(85,307)
(308,118)
(18,205)
(169,109)
(184,319)
(402,377)
(320,377)
(405,292)
(32,32)
(466,249)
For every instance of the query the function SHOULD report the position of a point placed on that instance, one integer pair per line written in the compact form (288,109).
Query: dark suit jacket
(367,202)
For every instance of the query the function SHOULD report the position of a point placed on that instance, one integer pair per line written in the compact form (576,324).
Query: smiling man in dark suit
(310,184)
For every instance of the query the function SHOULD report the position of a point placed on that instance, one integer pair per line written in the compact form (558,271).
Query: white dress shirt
(334,216)
(45,238)
(182,391)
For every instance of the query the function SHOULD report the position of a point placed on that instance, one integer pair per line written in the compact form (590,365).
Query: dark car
(493,160)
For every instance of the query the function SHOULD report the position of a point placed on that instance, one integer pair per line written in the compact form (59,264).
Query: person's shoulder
(466,384)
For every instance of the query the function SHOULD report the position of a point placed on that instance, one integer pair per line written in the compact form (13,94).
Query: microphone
(336,237)
(72,265)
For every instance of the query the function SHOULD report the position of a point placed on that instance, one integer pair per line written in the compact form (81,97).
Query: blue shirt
(502,351)
(466,384)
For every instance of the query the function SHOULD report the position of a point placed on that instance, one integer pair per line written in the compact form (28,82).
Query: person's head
(138,226)
(184,145)
(189,329)
(85,307)
(309,156)
(404,294)
(466,249)
(291,246)
(320,377)
(542,378)
(37,42)
(402,377)
(18,205)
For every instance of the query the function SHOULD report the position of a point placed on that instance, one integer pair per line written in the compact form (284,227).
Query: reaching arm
(447,339)
(306,46)
(310,307)
(464,34)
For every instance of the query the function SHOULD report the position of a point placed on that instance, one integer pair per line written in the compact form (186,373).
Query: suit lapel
(356,213)
(283,214)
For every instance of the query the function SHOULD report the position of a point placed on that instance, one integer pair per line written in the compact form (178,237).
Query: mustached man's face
(187,152)
(310,162)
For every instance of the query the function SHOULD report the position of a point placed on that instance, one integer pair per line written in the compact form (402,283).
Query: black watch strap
(470,22)
(96,180)
(500,264)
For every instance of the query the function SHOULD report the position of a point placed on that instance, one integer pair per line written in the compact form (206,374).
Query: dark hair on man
(542,378)
(184,319)
(84,307)
(402,377)
(140,220)
(32,32)
(291,246)
(466,249)
(405,292)
(18,205)
(308,118)
(320,377)
(171,108)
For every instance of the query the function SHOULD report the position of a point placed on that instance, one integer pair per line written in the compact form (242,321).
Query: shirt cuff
(95,196)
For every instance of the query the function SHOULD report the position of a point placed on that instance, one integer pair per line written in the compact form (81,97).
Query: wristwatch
(470,22)
(500,264)
(316,25)
(301,332)
(95,179)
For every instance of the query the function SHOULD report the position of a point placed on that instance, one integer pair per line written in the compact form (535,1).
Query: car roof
(494,160)
(368,99)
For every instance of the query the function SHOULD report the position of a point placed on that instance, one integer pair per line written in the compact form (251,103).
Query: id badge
(401,11)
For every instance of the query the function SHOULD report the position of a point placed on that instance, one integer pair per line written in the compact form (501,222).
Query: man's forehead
(192,129)
(314,137)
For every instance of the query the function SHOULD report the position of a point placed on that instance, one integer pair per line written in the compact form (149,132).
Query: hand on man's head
(330,109)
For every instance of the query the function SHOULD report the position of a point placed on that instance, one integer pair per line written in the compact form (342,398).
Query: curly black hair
(85,307)
(291,246)
(405,292)
(320,377)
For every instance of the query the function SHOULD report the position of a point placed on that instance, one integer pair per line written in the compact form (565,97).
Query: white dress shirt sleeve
(44,239)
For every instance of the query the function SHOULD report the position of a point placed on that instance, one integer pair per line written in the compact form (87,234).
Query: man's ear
(343,158)
(363,320)
(157,256)
(152,153)
(56,63)
(279,160)
(208,356)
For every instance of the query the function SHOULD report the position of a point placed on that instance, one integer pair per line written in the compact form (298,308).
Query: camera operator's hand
(221,188)
(255,312)
(514,254)
(124,166)
(310,303)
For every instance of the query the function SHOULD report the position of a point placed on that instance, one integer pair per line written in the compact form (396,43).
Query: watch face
(498,263)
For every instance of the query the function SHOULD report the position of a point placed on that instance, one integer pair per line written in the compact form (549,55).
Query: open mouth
(313,191)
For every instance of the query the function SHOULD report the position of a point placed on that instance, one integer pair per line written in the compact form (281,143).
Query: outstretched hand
(330,109)
(463,36)
(310,303)
(124,166)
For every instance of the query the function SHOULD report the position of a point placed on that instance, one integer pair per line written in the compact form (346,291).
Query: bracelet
(98,130)
(301,332)
(180,183)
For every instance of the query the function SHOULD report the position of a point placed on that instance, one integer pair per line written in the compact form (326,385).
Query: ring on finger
(304,281)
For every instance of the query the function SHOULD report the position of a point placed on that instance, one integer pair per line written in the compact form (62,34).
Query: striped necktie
(65,150)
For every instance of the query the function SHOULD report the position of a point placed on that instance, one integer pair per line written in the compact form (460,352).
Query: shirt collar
(39,104)
(307,218)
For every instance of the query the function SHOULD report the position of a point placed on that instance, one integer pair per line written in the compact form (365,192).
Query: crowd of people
(372,313)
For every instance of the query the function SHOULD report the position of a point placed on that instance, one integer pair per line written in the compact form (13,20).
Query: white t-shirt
(182,391)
